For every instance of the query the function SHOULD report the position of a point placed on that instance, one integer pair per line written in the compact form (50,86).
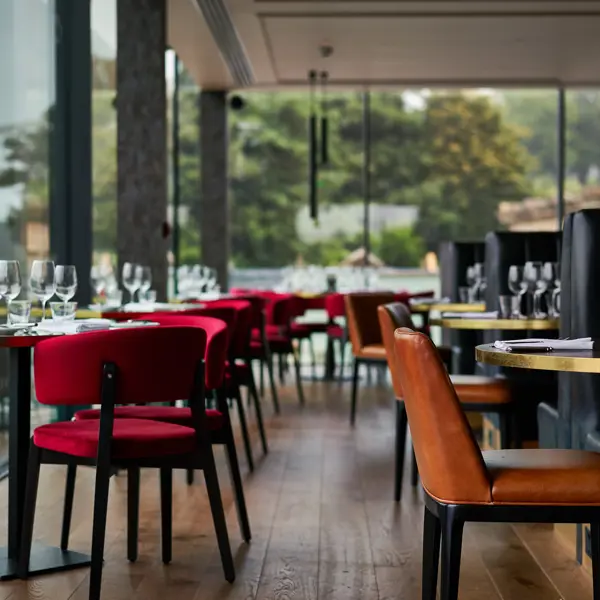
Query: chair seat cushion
(544,476)
(279,345)
(132,438)
(335,331)
(165,414)
(308,328)
(373,352)
(300,330)
(477,389)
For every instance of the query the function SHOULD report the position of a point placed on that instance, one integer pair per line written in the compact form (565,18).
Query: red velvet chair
(261,345)
(113,368)
(219,426)
(336,309)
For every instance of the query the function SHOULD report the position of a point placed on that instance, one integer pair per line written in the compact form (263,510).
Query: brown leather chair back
(449,459)
(361,317)
(391,317)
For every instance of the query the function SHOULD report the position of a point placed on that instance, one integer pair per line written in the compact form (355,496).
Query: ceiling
(228,44)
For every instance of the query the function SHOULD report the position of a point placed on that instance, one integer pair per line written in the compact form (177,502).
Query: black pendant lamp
(312,148)
(324,120)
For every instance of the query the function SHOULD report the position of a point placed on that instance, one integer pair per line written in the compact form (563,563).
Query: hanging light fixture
(324,119)
(312,148)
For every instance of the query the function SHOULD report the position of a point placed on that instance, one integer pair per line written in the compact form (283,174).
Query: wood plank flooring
(323,521)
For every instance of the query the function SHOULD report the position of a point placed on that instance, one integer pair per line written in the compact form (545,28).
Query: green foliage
(400,247)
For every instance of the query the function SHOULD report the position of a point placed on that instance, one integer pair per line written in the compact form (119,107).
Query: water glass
(132,278)
(42,282)
(18,312)
(148,296)
(464,294)
(66,281)
(509,307)
(114,297)
(63,311)
(10,279)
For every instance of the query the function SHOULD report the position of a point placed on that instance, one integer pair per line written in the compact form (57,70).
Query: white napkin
(74,326)
(470,315)
(544,345)
(158,306)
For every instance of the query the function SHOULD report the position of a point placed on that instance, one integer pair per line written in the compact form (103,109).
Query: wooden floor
(323,521)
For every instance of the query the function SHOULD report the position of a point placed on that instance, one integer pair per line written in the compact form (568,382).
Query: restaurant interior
(281,299)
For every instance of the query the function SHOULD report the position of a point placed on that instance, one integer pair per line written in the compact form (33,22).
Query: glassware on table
(63,311)
(509,307)
(42,282)
(18,312)
(10,280)
(535,286)
(145,280)
(97,281)
(480,282)
(131,277)
(550,277)
(517,284)
(147,296)
(555,302)
(114,297)
(66,281)
(464,294)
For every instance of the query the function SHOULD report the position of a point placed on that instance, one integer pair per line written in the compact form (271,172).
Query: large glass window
(104,129)
(27,34)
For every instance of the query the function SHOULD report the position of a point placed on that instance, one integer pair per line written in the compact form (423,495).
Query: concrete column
(214,209)
(142,137)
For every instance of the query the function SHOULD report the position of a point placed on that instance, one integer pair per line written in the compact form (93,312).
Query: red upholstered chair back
(335,306)
(154,364)
(240,340)
(217,340)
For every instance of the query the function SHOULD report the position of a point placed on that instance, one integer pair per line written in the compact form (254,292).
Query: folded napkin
(544,345)
(418,300)
(470,315)
(73,326)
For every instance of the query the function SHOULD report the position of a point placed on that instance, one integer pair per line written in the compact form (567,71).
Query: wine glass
(42,282)
(480,283)
(550,274)
(66,281)
(532,274)
(517,285)
(145,280)
(10,281)
(471,280)
(131,276)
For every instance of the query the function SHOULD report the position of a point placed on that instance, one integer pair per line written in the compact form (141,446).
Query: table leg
(43,559)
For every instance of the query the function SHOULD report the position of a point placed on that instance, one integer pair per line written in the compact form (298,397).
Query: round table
(450,307)
(572,361)
(498,324)
(44,559)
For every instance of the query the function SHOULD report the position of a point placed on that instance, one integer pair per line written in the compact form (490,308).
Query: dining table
(496,324)
(44,559)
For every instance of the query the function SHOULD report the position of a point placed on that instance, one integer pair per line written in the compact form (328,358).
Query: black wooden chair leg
(401,425)
(313,358)
(216,507)
(133,512)
(103,473)
(431,555)
(189,476)
(262,377)
(354,392)
(166,514)
(271,373)
(33,476)
(281,369)
(68,507)
(414,471)
(342,353)
(244,428)
(258,408)
(452,532)
(595,531)
(236,482)
(296,357)
(504,422)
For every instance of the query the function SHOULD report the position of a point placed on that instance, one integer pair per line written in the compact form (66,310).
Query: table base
(44,560)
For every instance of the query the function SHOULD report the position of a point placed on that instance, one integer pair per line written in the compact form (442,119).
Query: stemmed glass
(550,274)
(517,285)
(42,282)
(10,281)
(532,275)
(66,281)
(480,282)
(145,280)
(212,280)
(131,276)
(471,280)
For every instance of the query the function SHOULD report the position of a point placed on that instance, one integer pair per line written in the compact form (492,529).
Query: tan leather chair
(365,334)
(463,484)
(476,394)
